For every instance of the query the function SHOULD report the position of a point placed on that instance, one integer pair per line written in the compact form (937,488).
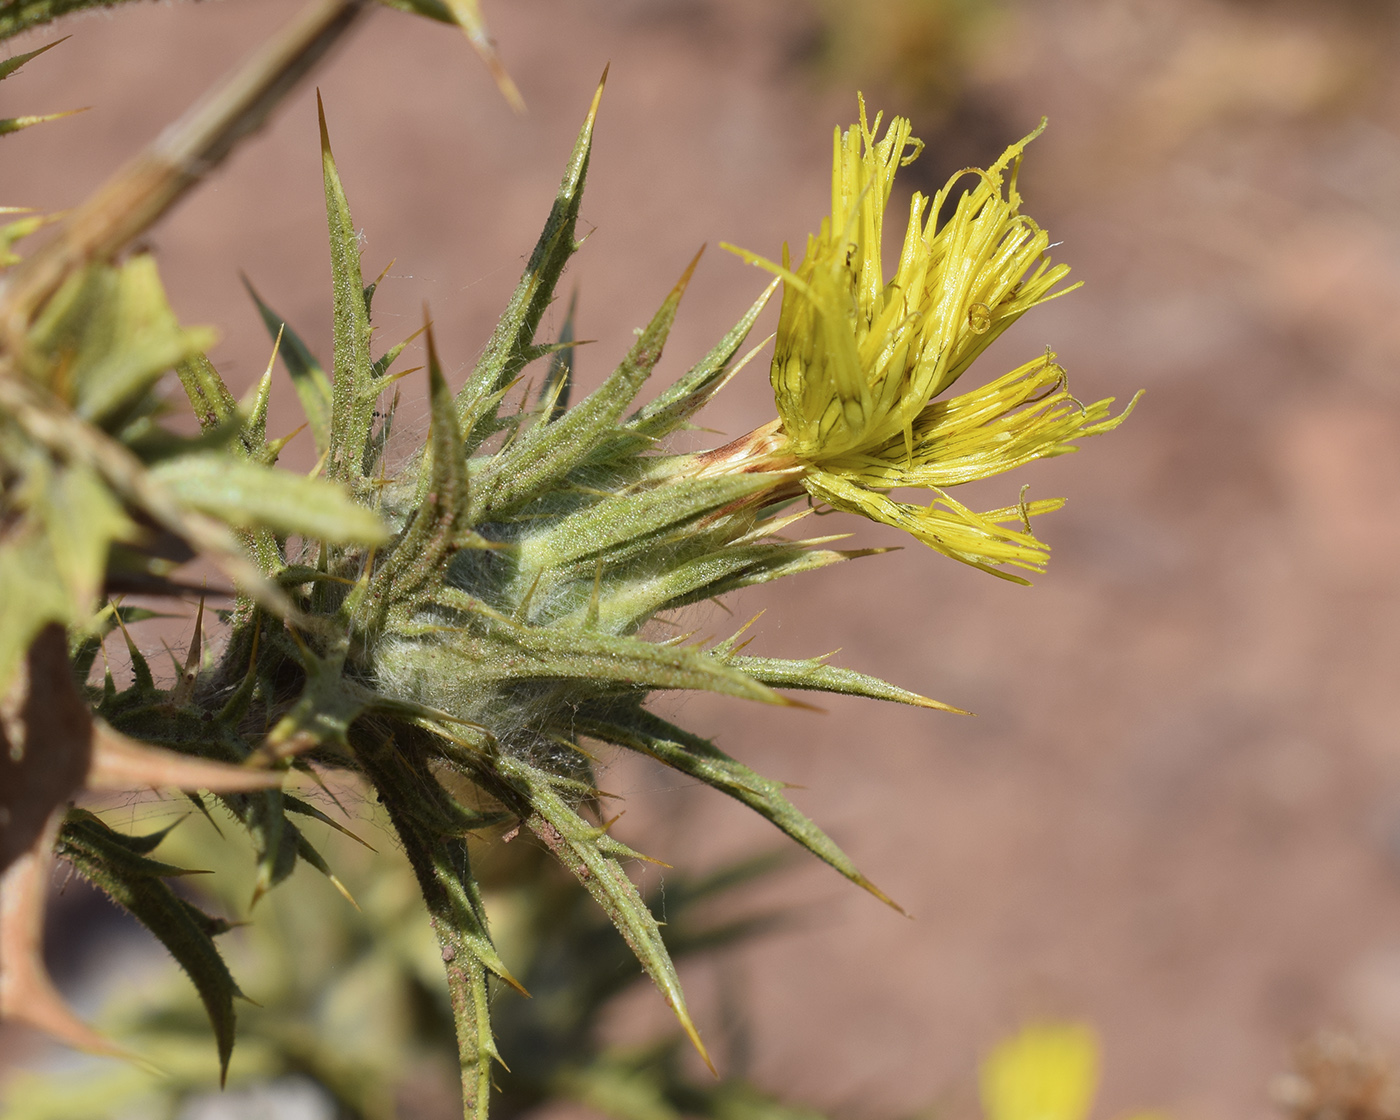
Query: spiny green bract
(459,665)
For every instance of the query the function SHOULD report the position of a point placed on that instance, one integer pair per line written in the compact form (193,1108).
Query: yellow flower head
(1047,1072)
(859,359)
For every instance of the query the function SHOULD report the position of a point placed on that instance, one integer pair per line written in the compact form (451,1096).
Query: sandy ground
(1177,811)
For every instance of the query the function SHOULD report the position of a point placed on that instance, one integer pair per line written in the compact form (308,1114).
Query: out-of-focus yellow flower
(859,360)
(1047,1072)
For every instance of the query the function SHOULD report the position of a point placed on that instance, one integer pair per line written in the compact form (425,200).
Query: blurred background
(1176,813)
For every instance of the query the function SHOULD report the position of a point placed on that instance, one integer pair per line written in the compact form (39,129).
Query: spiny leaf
(135,883)
(554,393)
(85,643)
(255,429)
(708,576)
(813,673)
(547,452)
(14,62)
(145,845)
(373,286)
(425,819)
(390,356)
(215,407)
(14,124)
(311,856)
(685,397)
(143,684)
(308,378)
(505,651)
(512,342)
(246,494)
(274,837)
(209,924)
(617,527)
(418,559)
(210,398)
(352,381)
(587,852)
(304,808)
(631,726)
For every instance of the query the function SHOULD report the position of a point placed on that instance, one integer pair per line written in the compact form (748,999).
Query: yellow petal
(946,525)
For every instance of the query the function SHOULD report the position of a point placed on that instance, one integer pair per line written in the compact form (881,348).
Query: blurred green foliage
(352,996)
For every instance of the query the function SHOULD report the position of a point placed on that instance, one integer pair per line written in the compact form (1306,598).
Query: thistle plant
(457,631)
